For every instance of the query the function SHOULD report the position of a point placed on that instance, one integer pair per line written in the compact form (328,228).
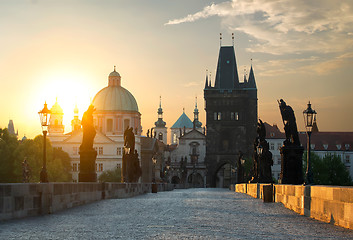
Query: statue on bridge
(290,125)
(291,151)
(89,132)
(87,153)
(262,157)
(131,170)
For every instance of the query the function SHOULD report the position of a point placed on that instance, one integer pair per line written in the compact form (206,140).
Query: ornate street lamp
(44,117)
(309,116)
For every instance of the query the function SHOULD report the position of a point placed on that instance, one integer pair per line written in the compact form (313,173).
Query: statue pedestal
(291,165)
(87,166)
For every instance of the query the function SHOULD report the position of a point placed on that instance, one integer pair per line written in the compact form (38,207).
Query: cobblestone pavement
(180,214)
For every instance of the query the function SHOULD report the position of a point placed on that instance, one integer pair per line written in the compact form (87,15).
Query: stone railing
(30,199)
(331,204)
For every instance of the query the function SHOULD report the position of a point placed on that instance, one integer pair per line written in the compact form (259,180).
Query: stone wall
(331,204)
(30,199)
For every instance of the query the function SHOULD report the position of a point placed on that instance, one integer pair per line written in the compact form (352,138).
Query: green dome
(114,98)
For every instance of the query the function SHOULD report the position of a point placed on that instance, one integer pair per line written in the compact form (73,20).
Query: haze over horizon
(301,51)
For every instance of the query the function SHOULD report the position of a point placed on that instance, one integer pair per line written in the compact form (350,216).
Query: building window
(272,146)
(118,165)
(312,146)
(160,136)
(217,116)
(119,151)
(234,116)
(348,159)
(338,146)
(175,138)
(100,151)
(279,145)
(109,125)
(100,167)
(325,146)
(279,161)
(346,146)
(75,150)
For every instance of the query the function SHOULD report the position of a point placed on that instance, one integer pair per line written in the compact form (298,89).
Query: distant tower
(76,122)
(11,129)
(160,128)
(56,126)
(231,115)
(197,123)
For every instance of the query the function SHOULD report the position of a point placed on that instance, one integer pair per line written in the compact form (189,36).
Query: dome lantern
(114,78)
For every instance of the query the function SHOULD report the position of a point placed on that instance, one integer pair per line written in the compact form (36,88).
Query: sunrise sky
(302,50)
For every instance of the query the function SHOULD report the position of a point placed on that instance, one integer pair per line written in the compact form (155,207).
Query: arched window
(160,136)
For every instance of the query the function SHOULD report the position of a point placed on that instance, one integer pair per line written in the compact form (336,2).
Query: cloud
(285,26)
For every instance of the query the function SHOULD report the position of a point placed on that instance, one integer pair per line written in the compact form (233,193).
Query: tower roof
(183,121)
(56,109)
(251,81)
(227,72)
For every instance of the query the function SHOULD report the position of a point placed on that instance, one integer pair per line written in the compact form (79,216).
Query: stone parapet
(331,204)
(19,200)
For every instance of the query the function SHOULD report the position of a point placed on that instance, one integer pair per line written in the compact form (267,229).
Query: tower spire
(210,80)
(233,39)
(206,83)
(220,39)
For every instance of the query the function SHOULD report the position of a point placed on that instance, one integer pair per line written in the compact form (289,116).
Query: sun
(68,89)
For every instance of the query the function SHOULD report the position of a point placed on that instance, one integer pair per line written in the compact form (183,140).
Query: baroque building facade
(116,109)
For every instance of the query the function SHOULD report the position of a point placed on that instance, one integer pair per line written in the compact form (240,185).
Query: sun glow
(69,90)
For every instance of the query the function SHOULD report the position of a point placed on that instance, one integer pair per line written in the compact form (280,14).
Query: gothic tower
(231,115)
(160,128)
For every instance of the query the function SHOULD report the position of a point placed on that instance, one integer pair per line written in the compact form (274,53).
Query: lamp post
(44,116)
(309,115)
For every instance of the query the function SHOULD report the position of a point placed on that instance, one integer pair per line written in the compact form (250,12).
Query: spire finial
(196,102)
(160,101)
(220,39)
(233,39)
(183,109)
(251,61)
(210,80)
(114,68)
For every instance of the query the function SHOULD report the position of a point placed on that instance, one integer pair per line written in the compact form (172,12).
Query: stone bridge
(178,214)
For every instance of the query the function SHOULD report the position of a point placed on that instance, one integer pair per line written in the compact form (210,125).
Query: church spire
(251,81)
(206,83)
(160,122)
(197,124)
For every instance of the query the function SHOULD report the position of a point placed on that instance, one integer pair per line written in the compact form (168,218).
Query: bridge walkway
(179,214)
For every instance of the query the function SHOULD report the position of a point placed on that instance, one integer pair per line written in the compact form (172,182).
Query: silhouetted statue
(265,164)
(148,133)
(290,125)
(262,157)
(87,153)
(26,171)
(291,151)
(129,140)
(154,134)
(88,129)
(131,170)
(261,130)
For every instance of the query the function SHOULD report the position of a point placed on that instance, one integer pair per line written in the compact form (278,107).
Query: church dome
(114,97)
